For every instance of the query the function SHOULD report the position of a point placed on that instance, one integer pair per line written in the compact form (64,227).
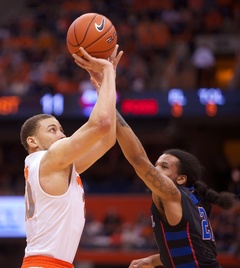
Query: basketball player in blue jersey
(181,205)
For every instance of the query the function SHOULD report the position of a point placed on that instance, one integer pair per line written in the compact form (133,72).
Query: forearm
(129,142)
(157,182)
(104,111)
(106,103)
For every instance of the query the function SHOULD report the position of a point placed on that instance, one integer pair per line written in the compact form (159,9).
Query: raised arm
(134,152)
(102,145)
(101,123)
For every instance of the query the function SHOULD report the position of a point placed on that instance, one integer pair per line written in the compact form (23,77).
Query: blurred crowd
(160,40)
(166,44)
(112,232)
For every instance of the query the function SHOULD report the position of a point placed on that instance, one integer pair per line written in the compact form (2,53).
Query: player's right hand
(142,263)
(91,63)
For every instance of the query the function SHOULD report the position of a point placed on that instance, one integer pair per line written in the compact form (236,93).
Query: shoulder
(34,157)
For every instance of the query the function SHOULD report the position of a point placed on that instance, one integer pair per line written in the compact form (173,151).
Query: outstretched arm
(134,152)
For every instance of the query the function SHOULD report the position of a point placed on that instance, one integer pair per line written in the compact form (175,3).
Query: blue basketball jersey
(189,244)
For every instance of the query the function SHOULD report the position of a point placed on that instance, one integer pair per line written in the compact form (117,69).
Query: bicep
(68,150)
(91,156)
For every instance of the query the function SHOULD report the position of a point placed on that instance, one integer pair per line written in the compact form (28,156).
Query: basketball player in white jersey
(54,195)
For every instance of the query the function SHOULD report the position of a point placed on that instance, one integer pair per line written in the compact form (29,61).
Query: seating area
(162,43)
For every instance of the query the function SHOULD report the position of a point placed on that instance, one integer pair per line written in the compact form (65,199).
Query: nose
(62,135)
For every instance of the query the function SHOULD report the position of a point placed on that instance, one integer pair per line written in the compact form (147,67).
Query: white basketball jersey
(54,224)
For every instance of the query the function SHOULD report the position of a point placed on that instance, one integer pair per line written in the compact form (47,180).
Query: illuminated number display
(177,100)
(9,104)
(140,106)
(52,104)
(204,102)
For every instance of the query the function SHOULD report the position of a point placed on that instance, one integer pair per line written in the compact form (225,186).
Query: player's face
(168,165)
(49,131)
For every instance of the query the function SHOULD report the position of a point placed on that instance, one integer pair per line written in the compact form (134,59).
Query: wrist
(108,66)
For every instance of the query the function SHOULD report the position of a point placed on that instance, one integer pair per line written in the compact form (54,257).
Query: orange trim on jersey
(26,173)
(44,262)
(79,181)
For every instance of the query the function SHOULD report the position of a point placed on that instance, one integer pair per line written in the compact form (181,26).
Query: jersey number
(207,233)
(30,205)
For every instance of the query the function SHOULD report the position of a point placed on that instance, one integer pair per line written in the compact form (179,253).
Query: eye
(161,165)
(52,129)
(164,165)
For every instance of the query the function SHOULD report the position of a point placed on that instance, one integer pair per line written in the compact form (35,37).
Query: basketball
(95,33)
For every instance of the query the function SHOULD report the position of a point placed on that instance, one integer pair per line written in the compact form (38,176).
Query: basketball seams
(78,44)
(95,41)
(102,51)
(75,35)
(83,33)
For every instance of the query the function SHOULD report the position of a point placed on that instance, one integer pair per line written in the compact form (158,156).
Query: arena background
(168,94)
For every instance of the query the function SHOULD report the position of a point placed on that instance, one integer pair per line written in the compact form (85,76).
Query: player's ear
(181,180)
(31,141)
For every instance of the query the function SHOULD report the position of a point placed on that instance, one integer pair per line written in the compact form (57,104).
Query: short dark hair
(30,127)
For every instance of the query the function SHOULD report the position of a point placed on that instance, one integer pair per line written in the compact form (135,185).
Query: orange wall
(128,207)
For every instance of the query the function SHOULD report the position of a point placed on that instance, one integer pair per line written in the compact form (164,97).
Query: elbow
(107,130)
(113,141)
(105,125)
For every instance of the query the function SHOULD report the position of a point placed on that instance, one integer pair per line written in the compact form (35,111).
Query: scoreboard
(203,102)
